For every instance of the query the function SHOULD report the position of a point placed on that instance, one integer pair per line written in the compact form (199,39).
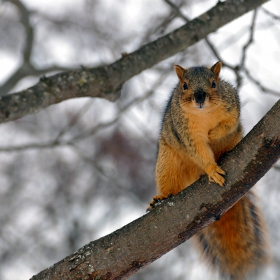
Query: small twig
(120,113)
(31,146)
(26,68)
(25,19)
(57,142)
(236,69)
(25,71)
(277,167)
(250,41)
(74,119)
(276,17)
(27,50)
(262,87)
(101,171)
(177,10)
(213,49)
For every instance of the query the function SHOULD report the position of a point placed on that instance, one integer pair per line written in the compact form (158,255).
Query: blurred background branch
(27,68)
(107,81)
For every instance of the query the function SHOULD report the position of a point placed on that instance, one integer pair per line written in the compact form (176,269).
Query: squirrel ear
(180,72)
(216,68)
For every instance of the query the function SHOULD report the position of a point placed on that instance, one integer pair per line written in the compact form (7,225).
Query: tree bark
(123,252)
(106,82)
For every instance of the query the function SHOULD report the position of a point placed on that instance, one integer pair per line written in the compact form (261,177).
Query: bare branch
(271,14)
(244,53)
(210,45)
(276,167)
(250,40)
(74,119)
(104,174)
(25,19)
(177,10)
(58,142)
(106,82)
(26,68)
(123,252)
(257,82)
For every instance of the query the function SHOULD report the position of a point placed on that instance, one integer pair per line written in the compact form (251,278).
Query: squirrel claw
(157,199)
(215,174)
(217,178)
(218,217)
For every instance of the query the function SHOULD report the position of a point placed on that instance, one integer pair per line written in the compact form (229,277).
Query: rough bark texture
(106,82)
(123,252)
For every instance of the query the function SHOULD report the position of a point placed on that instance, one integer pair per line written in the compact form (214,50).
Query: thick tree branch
(123,252)
(106,82)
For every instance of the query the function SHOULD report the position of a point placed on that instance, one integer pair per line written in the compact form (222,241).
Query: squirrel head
(199,86)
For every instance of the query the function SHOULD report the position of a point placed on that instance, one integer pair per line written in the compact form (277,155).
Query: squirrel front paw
(212,134)
(215,134)
(215,173)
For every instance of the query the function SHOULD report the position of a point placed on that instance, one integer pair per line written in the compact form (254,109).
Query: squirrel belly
(200,123)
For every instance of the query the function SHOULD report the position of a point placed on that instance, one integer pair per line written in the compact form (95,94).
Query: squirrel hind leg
(156,200)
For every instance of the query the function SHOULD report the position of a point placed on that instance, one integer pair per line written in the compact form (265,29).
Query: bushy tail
(236,245)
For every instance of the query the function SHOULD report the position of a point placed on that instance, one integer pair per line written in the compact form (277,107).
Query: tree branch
(250,40)
(123,252)
(260,85)
(25,19)
(57,141)
(210,45)
(26,68)
(106,82)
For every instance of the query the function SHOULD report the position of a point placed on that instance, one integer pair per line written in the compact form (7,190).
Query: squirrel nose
(199,96)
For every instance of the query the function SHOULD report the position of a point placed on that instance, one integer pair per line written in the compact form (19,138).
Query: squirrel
(200,123)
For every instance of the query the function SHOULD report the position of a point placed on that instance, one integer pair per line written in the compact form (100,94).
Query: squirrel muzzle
(199,97)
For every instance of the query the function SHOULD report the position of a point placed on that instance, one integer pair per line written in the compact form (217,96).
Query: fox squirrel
(201,122)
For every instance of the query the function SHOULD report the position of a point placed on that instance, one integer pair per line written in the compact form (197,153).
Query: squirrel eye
(214,84)
(185,86)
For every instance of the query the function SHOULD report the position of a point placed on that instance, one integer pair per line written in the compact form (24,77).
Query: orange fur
(201,122)
(236,244)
